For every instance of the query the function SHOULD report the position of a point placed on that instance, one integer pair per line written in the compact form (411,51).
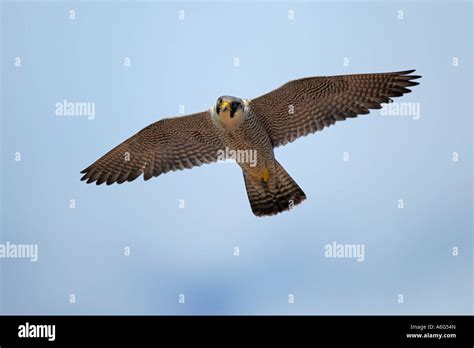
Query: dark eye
(234,105)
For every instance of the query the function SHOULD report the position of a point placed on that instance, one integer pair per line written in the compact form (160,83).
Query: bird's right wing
(169,144)
(304,106)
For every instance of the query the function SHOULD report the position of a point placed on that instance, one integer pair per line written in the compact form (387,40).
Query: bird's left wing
(169,144)
(304,106)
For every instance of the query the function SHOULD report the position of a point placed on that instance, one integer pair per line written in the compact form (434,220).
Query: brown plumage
(286,195)
(167,145)
(296,109)
(318,102)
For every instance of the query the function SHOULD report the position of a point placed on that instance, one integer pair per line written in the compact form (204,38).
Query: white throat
(216,119)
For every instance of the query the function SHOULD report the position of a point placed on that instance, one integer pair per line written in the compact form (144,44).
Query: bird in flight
(250,126)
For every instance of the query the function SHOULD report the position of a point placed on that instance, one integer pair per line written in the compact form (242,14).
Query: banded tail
(286,195)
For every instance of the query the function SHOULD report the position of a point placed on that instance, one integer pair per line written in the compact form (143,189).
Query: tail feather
(267,202)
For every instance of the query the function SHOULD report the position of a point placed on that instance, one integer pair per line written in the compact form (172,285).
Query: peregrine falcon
(234,125)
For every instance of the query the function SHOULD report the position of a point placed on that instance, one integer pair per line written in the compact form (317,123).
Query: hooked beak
(225,105)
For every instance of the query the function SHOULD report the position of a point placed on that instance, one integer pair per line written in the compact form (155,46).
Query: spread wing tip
(407,74)
(109,178)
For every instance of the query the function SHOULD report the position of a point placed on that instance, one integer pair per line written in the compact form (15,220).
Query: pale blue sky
(190,251)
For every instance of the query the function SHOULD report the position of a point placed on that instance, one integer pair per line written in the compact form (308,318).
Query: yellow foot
(265,174)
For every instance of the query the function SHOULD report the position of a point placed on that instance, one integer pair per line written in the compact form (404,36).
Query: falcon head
(229,107)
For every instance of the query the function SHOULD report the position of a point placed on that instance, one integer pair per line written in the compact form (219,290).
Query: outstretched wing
(169,144)
(304,106)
